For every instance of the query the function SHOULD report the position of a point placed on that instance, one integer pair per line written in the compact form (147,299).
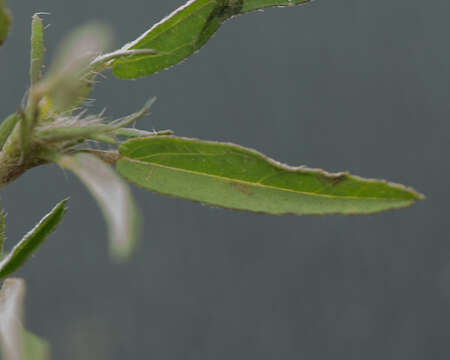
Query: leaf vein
(263,185)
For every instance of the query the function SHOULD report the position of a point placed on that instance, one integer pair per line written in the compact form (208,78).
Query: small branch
(101,60)
(109,157)
(135,133)
(10,172)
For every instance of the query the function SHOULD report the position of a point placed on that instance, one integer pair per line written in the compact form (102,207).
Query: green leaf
(183,32)
(6,128)
(31,241)
(113,197)
(231,176)
(37,49)
(5,21)
(15,342)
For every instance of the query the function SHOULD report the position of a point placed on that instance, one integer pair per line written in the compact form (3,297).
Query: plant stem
(13,163)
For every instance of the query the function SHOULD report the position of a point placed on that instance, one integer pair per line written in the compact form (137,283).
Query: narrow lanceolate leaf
(15,342)
(37,49)
(5,21)
(113,196)
(234,177)
(31,241)
(183,32)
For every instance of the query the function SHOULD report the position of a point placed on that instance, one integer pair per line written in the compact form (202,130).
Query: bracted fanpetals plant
(52,125)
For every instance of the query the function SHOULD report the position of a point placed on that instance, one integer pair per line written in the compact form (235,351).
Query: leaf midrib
(264,186)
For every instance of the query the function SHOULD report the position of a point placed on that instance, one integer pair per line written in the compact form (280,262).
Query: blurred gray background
(355,85)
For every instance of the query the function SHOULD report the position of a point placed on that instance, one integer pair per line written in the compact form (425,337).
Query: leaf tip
(62,205)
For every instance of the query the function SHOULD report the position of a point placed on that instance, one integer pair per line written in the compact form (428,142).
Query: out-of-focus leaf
(234,177)
(11,312)
(5,21)
(33,347)
(6,128)
(69,81)
(31,241)
(113,197)
(183,32)
(2,233)
(15,342)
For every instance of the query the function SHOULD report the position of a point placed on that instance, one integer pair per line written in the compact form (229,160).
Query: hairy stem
(13,163)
